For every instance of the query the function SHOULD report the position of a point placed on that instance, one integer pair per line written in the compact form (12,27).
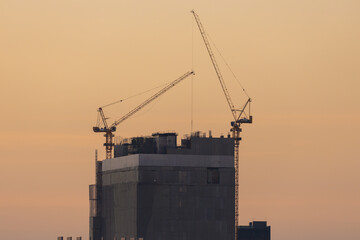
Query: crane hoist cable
(235,112)
(228,66)
(103,126)
(135,95)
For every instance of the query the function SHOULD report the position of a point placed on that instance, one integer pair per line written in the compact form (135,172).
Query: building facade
(156,190)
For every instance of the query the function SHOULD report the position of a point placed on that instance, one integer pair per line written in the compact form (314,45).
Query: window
(213,176)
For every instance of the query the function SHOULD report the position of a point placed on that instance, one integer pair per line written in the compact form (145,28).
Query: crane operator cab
(104,129)
(242,120)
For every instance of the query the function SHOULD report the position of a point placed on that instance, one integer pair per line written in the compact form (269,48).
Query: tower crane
(237,115)
(102,125)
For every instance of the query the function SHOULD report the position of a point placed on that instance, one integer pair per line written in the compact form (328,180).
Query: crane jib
(152,98)
(108,130)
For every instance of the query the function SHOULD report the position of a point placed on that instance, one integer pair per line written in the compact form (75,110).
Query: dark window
(213,176)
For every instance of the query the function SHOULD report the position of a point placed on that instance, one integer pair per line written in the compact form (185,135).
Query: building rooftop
(256,225)
(166,143)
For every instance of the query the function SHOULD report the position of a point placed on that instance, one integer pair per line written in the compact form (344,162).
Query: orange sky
(299,61)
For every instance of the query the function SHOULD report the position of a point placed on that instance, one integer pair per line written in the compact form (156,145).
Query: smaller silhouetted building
(257,230)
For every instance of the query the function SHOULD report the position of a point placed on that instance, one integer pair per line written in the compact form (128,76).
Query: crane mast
(109,130)
(236,114)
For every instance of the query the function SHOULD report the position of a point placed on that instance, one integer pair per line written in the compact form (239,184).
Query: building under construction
(155,190)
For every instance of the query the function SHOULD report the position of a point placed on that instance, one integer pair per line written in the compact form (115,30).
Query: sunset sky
(298,60)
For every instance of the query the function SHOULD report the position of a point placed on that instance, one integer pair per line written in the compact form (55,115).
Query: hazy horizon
(299,61)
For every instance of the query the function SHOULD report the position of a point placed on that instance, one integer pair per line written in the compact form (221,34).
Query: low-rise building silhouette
(257,230)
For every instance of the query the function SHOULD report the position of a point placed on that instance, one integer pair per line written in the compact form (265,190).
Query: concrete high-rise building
(155,190)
